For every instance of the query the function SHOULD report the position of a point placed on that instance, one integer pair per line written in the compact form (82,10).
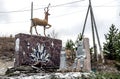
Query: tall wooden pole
(85,22)
(31,17)
(100,48)
(32,10)
(93,32)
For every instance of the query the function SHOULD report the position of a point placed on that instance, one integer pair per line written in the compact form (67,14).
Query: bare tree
(54,34)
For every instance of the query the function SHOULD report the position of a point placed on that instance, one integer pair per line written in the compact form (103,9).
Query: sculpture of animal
(41,22)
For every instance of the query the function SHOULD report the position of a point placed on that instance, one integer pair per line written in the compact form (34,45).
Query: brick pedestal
(37,50)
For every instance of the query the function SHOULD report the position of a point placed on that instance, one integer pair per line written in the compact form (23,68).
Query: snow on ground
(68,75)
(4,65)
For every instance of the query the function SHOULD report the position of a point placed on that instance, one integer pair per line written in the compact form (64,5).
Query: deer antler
(48,5)
(44,9)
(47,8)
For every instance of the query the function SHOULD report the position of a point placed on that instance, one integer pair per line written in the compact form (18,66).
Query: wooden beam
(31,10)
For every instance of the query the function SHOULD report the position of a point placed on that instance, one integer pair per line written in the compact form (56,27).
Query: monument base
(37,51)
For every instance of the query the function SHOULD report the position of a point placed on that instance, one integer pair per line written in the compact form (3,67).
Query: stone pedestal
(63,61)
(37,50)
(87,62)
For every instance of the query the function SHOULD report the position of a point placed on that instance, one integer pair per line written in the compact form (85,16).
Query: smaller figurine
(80,56)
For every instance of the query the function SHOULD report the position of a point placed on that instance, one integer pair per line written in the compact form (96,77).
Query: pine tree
(70,45)
(117,47)
(111,43)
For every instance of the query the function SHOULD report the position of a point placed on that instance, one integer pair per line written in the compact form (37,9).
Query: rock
(18,70)
(24,68)
(11,70)
(16,73)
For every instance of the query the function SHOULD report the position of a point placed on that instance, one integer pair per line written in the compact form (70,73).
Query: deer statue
(41,22)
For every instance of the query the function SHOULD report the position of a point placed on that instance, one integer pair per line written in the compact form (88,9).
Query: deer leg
(36,30)
(31,30)
(44,31)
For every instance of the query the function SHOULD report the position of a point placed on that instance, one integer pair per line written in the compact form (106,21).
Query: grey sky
(3,17)
(66,20)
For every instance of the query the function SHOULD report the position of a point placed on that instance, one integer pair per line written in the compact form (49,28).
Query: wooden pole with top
(94,30)
(32,10)
(85,23)
(31,16)
(100,48)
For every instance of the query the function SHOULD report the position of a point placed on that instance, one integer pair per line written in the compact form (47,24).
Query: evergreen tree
(70,45)
(117,47)
(111,43)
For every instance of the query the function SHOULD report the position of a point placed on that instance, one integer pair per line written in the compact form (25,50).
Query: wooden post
(93,32)
(100,48)
(31,10)
(31,17)
(85,22)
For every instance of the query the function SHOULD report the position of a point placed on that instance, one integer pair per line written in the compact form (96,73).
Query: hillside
(7,48)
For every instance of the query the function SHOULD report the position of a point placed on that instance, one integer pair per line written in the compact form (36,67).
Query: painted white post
(63,60)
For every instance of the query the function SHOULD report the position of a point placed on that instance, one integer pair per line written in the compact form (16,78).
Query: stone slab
(26,45)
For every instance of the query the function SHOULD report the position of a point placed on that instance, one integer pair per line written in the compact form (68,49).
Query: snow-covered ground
(4,65)
(68,75)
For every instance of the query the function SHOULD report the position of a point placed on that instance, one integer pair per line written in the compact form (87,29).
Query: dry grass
(6,48)
(6,53)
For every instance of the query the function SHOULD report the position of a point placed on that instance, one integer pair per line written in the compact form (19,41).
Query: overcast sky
(66,19)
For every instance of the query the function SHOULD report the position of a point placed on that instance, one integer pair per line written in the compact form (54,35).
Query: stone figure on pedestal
(80,56)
